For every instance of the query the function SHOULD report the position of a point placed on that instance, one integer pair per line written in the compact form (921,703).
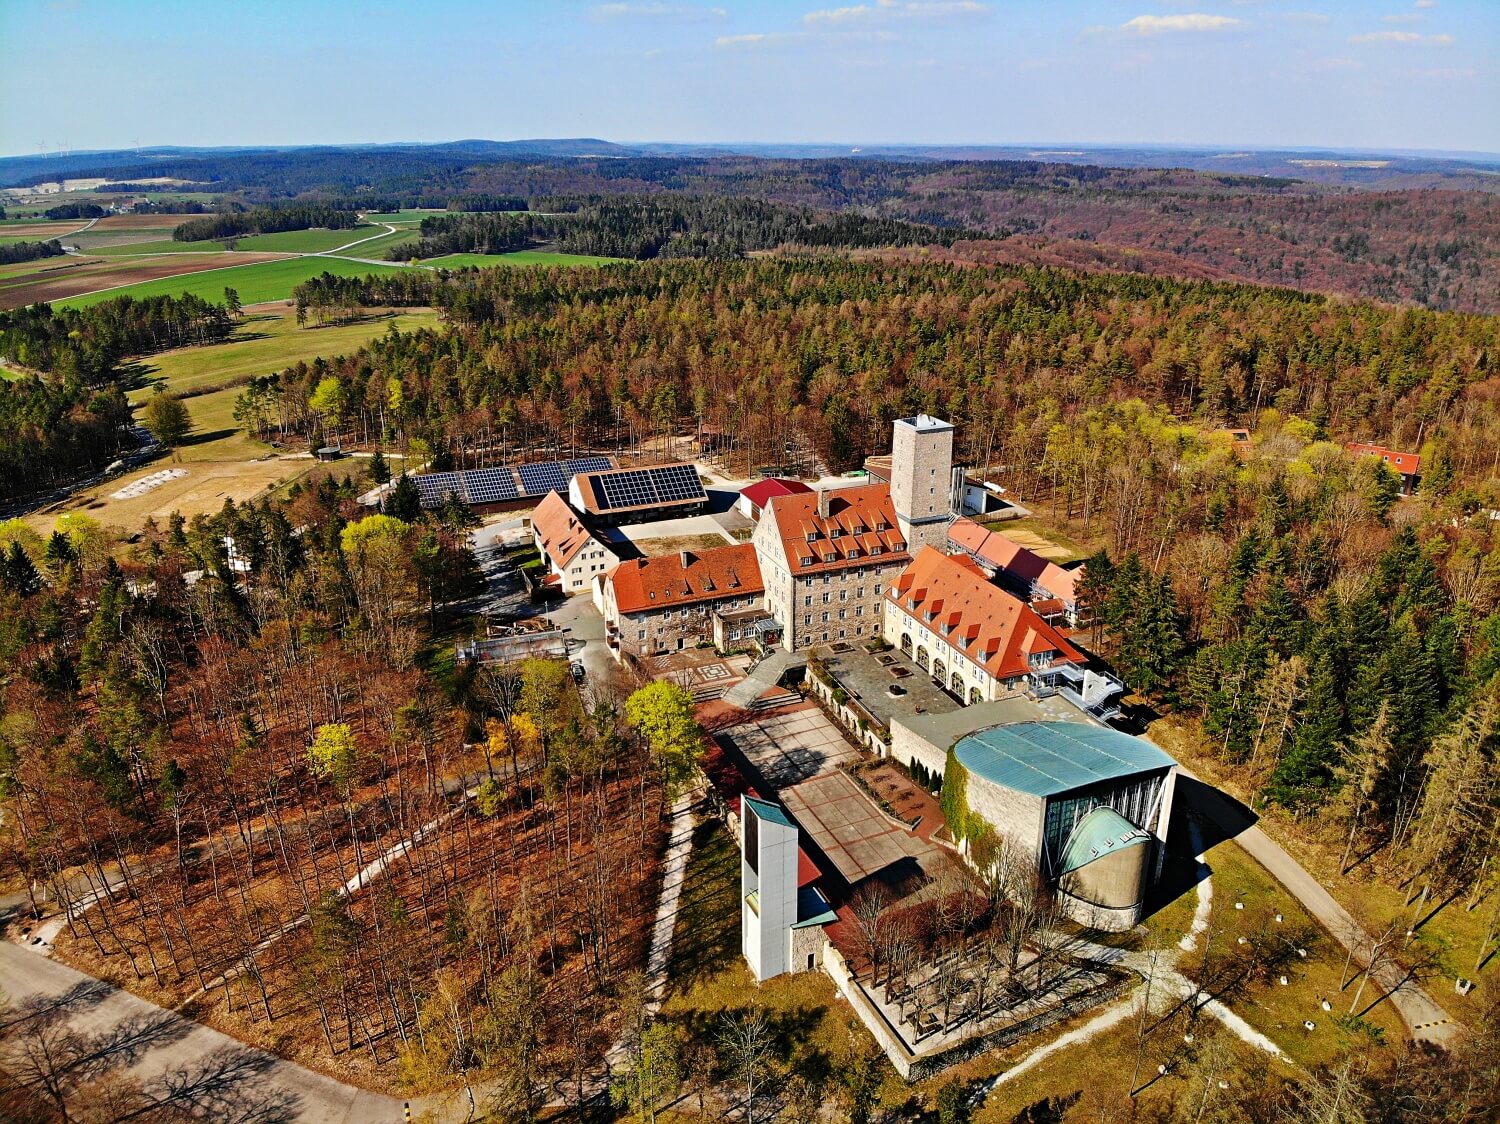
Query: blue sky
(1342,73)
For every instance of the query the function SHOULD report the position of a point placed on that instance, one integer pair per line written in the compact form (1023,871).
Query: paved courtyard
(792,746)
(848,828)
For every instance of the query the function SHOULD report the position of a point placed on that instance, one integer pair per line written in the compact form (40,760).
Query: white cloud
(1443,73)
(1401,39)
(886,10)
(757,39)
(1427,3)
(1402,17)
(654,10)
(1187,21)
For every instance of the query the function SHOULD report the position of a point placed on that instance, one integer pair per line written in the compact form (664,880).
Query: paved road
(1426,1020)
(186,1061)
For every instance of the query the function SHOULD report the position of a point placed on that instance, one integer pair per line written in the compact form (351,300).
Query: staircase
(746,694)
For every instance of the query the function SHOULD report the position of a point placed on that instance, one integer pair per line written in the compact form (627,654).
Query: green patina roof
(768,812)
(1048,758)
(1102,832)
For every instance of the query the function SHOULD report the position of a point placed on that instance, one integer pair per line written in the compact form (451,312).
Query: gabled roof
(1405,464)
(950,596)
(670,580)
(1049,758)
(761,491)
(859,529)
(995,550)
(560,530)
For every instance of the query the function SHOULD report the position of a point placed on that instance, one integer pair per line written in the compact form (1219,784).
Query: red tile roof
(562,533)
(761,491)
(995,550)
(859,522)
(950,595)
(671,580)
(1405,464)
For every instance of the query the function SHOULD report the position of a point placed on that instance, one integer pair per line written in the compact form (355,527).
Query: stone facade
(922,479)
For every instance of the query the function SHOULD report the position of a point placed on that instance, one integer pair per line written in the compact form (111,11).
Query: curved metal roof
(1048,758)
(1102,832)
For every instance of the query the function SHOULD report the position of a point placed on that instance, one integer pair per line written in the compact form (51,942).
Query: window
(859,610)
(825,618)
(807,560)
(641,635)
(807,600)
(826,596)
(877,589)
(843,595)
(860,592)
(843,613)
(807,619)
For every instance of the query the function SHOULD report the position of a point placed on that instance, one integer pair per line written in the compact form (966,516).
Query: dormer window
(812,536)
(898,546)
(835,531)
(807,560)
(830,557)
(874,550)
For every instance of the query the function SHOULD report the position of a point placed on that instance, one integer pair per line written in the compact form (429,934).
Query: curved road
(1424,1018)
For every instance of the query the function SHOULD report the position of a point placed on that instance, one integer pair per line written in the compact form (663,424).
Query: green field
(398,217)
(520,257)
(263,343)
(15,239)
(304,241)
(263,281)
(379,247)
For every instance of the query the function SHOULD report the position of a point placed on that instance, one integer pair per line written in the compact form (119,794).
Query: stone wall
(909,748)
(845,715)
(919,1067)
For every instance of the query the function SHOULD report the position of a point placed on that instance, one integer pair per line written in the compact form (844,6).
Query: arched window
(958,684)
(939,672)
(974,695)
(922,656)
(906,643)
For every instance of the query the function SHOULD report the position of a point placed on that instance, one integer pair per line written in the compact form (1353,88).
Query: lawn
(398,217)
(1040,535)
(255,283)
(263,343)
(520,257)
(304,241)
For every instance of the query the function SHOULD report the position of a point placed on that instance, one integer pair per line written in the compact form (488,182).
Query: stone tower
(922,479)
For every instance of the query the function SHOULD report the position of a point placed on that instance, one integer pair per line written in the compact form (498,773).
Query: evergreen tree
(404,502)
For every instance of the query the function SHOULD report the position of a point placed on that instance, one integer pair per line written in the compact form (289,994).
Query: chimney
(825,502)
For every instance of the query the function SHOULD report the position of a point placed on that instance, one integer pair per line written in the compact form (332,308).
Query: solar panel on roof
(648,487)
(490,485)
(433,487)
(586,464)
(539,479)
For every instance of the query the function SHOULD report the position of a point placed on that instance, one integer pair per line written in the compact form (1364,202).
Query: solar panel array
(496,485)
(648,487)
(434,487)
(490,485)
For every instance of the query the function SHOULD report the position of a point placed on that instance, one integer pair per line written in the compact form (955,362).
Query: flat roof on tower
(925,423)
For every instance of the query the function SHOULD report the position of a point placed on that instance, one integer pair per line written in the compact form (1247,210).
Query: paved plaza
(792,747)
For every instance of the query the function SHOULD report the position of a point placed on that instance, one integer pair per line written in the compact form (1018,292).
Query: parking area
(792,746)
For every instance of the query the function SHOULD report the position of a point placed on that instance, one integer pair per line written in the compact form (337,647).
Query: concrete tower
(768,887)
(922,479)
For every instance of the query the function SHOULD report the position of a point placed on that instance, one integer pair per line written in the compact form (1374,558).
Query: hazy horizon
(1414,75)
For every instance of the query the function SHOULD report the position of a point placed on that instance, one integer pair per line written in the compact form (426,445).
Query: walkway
(1426,1021)
(184,1062)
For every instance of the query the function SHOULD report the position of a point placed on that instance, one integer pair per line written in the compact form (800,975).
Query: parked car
(578,672)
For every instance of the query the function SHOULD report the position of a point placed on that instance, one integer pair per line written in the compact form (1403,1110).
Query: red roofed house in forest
(753,499)
(573,555)
(668,602)
(1051,589)
(1408,466)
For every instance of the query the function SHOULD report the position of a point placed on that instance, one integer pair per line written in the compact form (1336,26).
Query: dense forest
(75,211)
(266,220)
(256,730)
(662,226)
(69,416)
(29,251)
